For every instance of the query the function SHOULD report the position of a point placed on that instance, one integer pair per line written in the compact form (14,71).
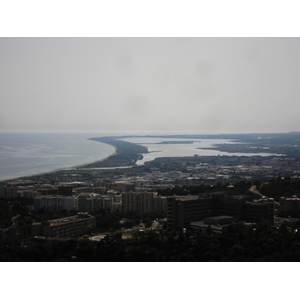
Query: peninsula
(126,154)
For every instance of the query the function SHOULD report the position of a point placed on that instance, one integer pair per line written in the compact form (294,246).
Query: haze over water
(185,149)
(24,154)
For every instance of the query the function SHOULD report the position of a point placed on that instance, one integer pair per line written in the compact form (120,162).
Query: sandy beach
(82,166)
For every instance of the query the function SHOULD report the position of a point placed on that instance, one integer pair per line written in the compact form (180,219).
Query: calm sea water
(24,154)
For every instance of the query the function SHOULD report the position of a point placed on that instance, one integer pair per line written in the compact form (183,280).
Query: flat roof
(65,220)
(213,227)
(187,198)
(220,217)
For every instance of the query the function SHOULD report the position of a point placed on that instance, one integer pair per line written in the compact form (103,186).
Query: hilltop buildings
(184,210)
(53,203)
(91,202)
(289,204)
(64,227)
(137,194)
(8,192)
(143,202)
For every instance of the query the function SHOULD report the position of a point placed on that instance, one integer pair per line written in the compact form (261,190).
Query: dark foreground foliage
(238,243)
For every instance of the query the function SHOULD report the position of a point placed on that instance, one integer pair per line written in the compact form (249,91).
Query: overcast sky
(150,85)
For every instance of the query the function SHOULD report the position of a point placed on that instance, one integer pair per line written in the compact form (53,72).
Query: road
(101,236)
(254,190)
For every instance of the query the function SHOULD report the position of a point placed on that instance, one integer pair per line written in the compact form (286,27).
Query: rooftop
(71,219)
(187,198)
(220,217)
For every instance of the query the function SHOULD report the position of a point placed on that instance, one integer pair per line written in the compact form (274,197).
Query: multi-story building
(116,206)
(257,211)
(230,206)
(29,194)
(46,189)
(65,190)
(64,227)
(8,192)
(90,189)
(126,187)
(53,203)
(143,202)
(91,202)
(289,204)
(184,210)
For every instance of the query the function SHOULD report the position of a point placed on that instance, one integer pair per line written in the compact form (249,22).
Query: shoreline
(62,169)
(113,161)
(127,154)
(119,150)
(96,161)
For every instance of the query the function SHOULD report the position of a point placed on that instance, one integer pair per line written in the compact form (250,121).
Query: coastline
(96,161)
(125,155)
(82,166)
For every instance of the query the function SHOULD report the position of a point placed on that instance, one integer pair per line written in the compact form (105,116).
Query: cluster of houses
(182,211)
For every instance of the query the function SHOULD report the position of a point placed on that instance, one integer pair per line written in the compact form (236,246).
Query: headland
(126,154)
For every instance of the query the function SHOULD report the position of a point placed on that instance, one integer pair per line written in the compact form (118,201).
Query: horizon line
(146,133)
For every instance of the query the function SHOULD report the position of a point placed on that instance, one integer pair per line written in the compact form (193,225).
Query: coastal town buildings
(143,202)
(8,192)
(53,203)
(182,210)
(25,193)
(64,227)
(186,209)
(65,190)
(258,211)
(91,202)
(90,189)
(289,203)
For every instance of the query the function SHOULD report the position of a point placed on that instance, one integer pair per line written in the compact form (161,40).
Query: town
(95,213)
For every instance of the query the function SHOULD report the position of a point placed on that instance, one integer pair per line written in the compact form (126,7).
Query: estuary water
(165,147)
(24,154)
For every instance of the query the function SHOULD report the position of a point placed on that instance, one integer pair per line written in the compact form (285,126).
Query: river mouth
(172,147)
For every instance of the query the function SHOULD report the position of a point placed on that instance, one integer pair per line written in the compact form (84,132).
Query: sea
(26,154)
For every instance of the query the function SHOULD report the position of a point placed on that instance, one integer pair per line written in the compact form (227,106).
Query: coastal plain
(274,153)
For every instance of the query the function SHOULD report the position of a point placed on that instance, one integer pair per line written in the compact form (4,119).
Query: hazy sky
(150,85)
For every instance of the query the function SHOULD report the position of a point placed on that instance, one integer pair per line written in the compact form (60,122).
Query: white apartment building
(91,202)
(55,203)
(143,202)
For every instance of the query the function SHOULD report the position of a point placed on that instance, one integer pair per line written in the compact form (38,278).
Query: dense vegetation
(126,153)
(165,164)
(281,187)
(237,243)
(274,188)
(279,143)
